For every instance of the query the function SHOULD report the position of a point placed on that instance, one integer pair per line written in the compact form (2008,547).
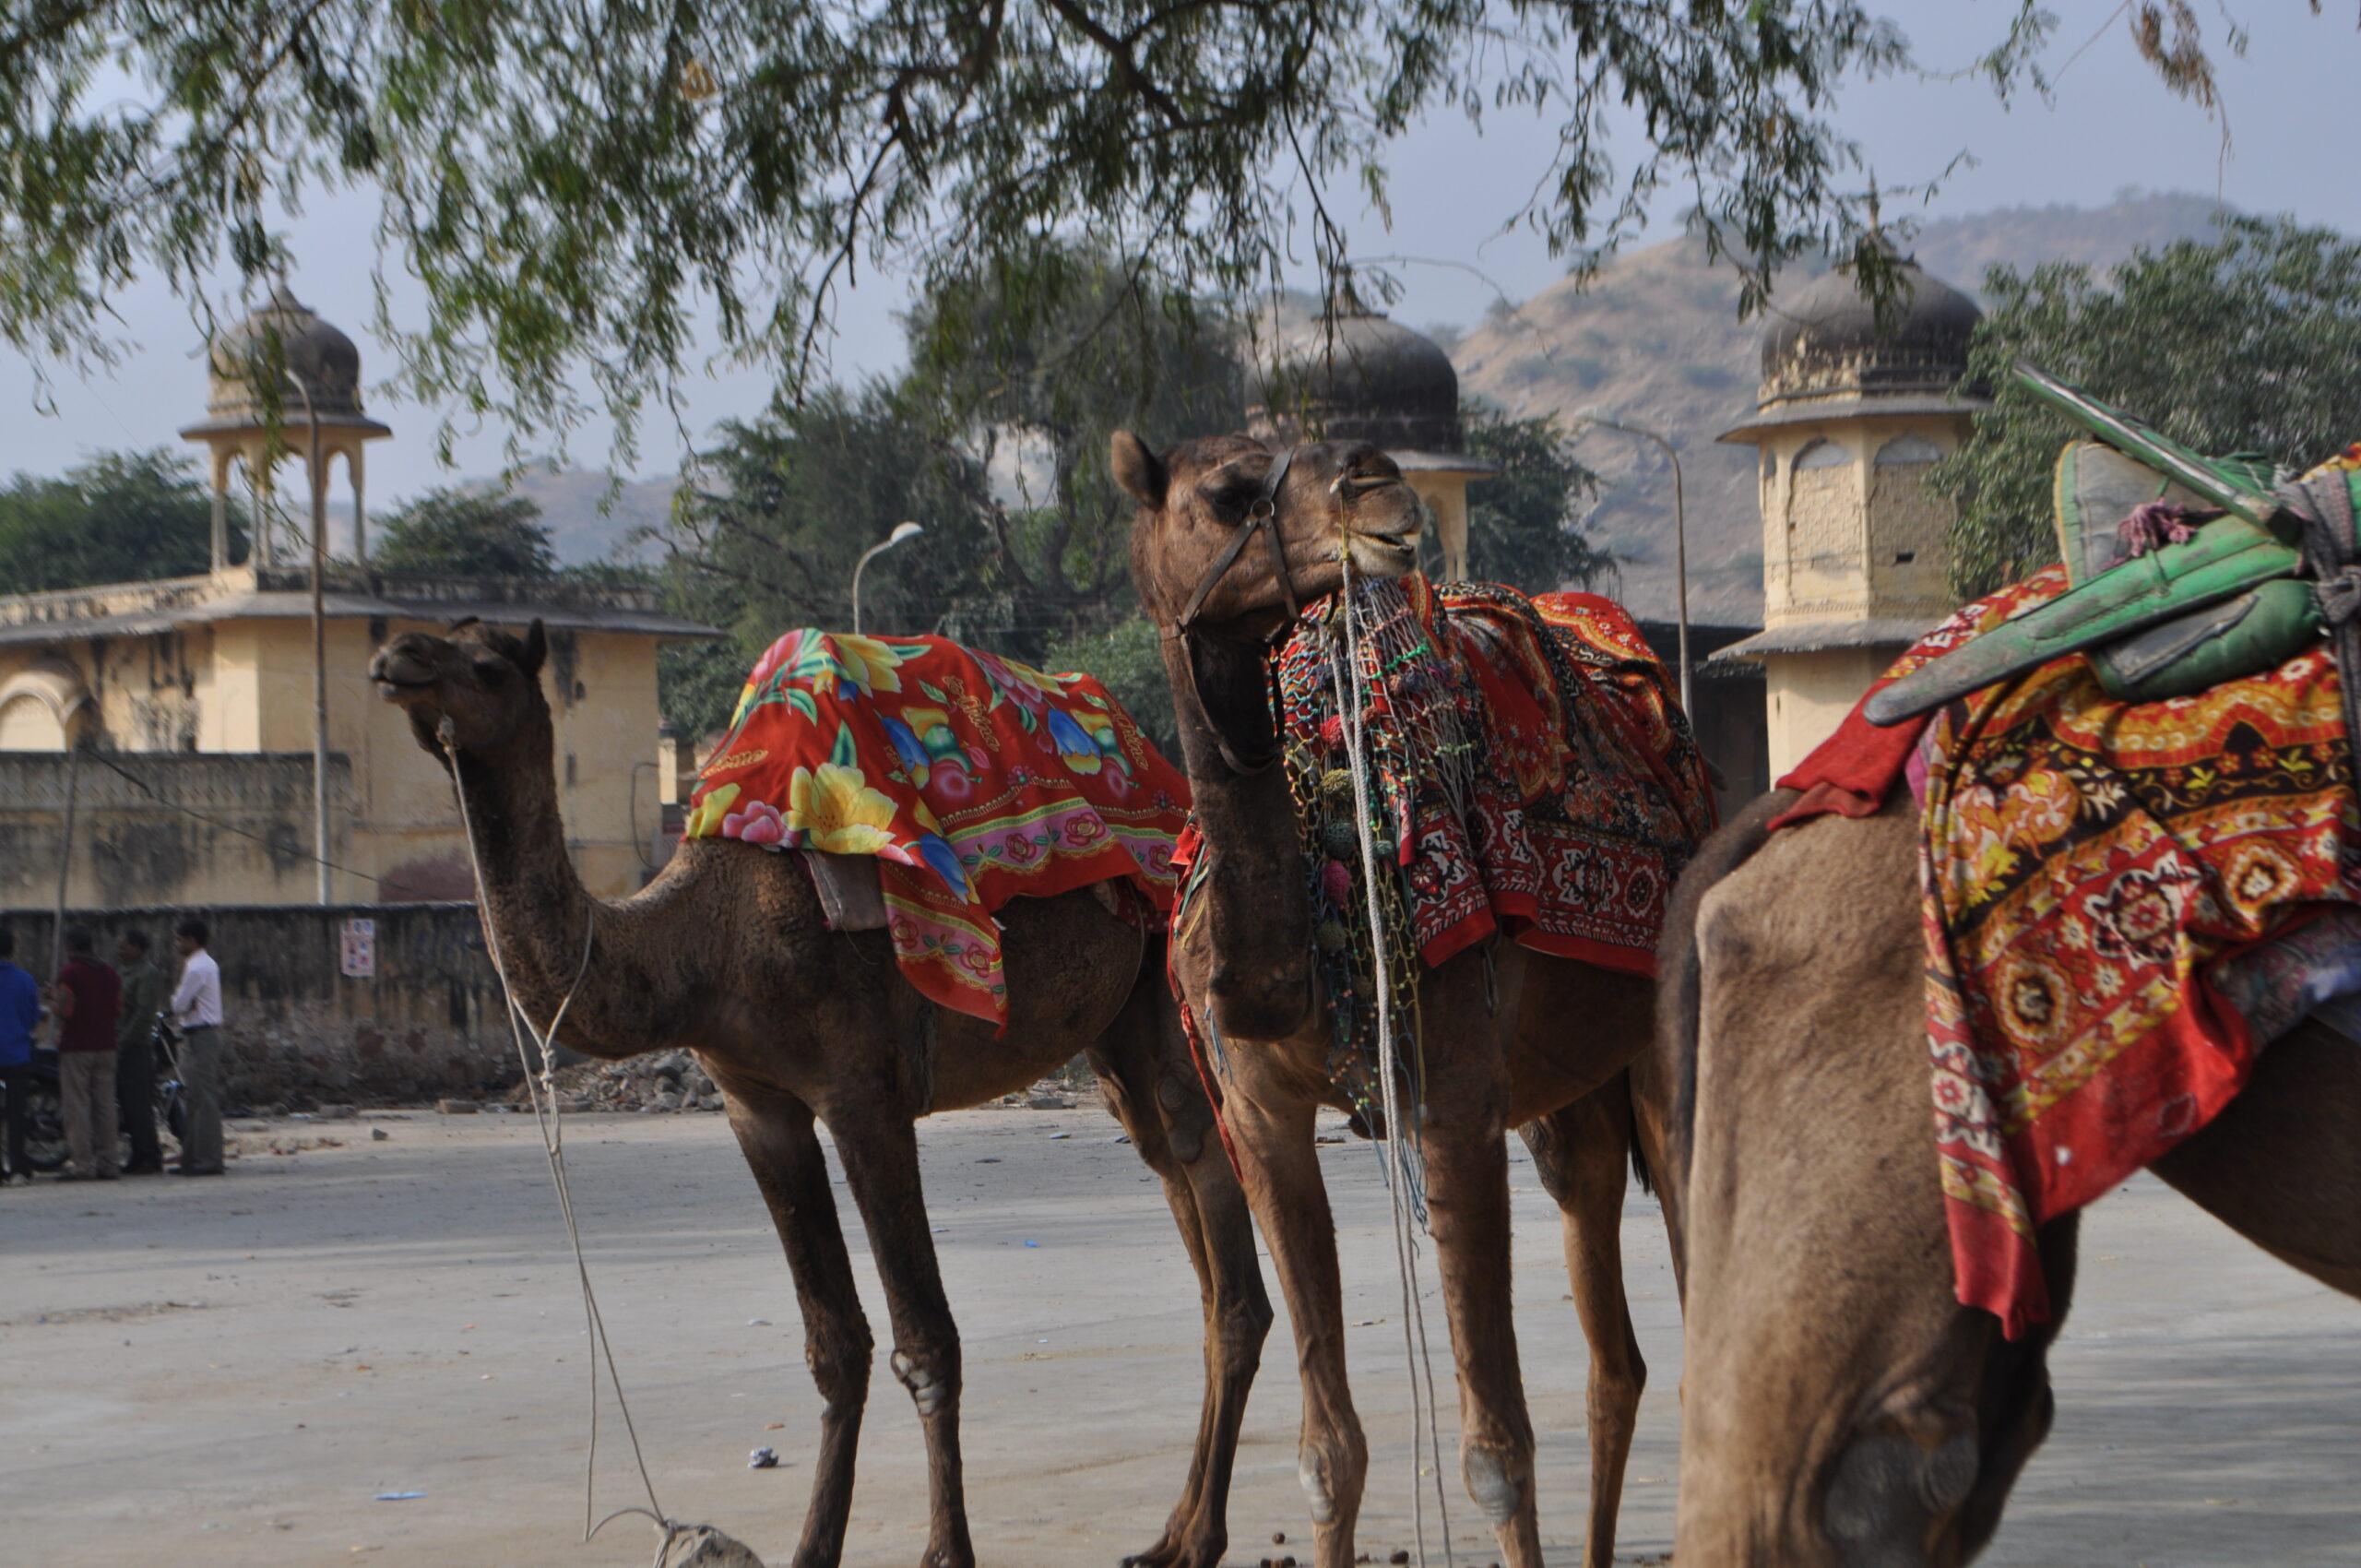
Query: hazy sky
(2111,125)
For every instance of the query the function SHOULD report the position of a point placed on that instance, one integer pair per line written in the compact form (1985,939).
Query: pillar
(1445,494)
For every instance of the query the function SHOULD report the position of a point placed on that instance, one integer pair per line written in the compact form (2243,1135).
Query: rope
(1402,1156)
(539,1089)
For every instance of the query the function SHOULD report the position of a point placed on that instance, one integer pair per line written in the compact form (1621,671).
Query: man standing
(197,1007)
(88,1002)
(135,1052)
(20,1012)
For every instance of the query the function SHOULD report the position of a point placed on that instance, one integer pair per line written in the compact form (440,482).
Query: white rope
(1401,1155)
(541,1087)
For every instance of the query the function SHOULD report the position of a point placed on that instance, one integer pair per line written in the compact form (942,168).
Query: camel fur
(727,954)
(1843,1410)
(1498,1045)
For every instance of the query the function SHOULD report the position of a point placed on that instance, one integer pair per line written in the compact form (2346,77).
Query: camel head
(1333,499)
(481,682)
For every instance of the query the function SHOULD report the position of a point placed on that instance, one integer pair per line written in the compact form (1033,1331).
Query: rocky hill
(1655,340)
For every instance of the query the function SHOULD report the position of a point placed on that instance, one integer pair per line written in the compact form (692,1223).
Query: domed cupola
(319,358)
(318,372)
(1824,346)
(1360,376)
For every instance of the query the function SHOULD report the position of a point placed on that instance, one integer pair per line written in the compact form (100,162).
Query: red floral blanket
(970,777)
(2084,864)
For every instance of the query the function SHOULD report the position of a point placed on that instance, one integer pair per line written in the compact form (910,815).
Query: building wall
(180,829)
(1860,537)
(244,686)
(298,1032)
(1809,694)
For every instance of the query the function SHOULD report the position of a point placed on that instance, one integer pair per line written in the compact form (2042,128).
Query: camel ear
(1138,470)
(537,648)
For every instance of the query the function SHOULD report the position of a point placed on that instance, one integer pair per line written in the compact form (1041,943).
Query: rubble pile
(659,1081)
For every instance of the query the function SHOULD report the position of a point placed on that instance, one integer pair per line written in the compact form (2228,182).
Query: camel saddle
(851,895)
(2187,571)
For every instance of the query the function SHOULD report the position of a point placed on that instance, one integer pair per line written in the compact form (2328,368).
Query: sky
(2109,126)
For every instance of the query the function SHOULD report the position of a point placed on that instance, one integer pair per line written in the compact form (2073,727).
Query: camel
(1842,1409)
(1246,966)
(727,954)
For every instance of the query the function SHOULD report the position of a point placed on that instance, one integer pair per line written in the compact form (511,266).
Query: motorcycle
(45,1148)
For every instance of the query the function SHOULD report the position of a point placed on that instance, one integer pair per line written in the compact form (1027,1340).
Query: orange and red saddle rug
(2084,865)
(971,778)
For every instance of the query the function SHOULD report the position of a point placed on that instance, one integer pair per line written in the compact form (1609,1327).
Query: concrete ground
(232,1372)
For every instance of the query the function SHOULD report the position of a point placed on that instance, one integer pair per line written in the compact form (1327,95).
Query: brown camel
(727,954)
(1843,1410)
(1247,966)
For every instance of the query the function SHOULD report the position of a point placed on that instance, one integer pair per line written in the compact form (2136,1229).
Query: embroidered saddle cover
(971,778)
(2086,867)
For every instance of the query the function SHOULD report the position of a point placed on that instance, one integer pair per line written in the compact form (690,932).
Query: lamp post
(901,531)
(1679,533)
(319,646)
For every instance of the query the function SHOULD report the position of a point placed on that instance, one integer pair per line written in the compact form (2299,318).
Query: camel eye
(491,672)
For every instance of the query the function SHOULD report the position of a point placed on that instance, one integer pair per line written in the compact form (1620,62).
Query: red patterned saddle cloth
(2086,867)
(1584,795)
(971,778)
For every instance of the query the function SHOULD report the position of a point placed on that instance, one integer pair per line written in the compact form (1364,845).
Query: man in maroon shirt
(87,998)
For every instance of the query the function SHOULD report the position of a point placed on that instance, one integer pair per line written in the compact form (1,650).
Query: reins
(542,1089)
(1262,517)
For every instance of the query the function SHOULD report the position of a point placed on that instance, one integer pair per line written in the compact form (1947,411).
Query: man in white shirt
(196,1007)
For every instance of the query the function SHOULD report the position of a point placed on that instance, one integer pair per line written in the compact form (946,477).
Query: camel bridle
(1262,517)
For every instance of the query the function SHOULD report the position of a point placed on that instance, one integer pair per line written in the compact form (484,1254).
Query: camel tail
(1641,1173)
(1677,961)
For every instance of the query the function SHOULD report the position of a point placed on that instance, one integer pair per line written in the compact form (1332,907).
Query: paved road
(229,1372)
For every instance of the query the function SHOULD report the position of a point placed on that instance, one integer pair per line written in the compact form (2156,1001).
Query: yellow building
(192,700)
(1855,546)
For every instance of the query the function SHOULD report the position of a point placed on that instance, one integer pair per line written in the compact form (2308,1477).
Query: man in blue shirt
(19,1011)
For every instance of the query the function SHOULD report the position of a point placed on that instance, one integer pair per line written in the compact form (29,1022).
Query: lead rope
(538,1087)
(1400,1157)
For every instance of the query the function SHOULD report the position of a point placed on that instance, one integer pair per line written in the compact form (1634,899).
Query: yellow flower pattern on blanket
(837,810)
(969,778)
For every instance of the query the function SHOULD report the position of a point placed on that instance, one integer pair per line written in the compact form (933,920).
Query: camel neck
(534,904)
(1258,911)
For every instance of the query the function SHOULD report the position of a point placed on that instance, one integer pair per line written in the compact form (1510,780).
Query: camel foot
(1198,1552)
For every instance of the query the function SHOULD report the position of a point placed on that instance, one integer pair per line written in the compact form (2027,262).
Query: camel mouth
(1382,555)
(397,677)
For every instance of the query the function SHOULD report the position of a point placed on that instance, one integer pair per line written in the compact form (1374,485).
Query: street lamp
(318,482)
(901,531)
(1680,534)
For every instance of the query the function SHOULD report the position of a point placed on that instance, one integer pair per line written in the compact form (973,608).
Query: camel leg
(775,1132)
(1579,1152)
(1142,1065)
(880,1150)
(1273,1130)
(1467,1206)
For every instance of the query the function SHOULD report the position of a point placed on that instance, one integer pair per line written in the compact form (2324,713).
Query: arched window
(1906,449)
(1821,453)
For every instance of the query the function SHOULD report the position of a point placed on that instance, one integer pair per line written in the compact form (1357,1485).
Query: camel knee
(1618,1377)
(1331,1469)
(839,1367)
(1500,1479)
(1245,1327)
(931,1373)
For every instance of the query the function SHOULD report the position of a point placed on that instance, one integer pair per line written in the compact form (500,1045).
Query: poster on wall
(360,949)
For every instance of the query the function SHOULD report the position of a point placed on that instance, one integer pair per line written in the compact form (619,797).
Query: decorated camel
(1231,539)
(746,956)
(1964,977)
